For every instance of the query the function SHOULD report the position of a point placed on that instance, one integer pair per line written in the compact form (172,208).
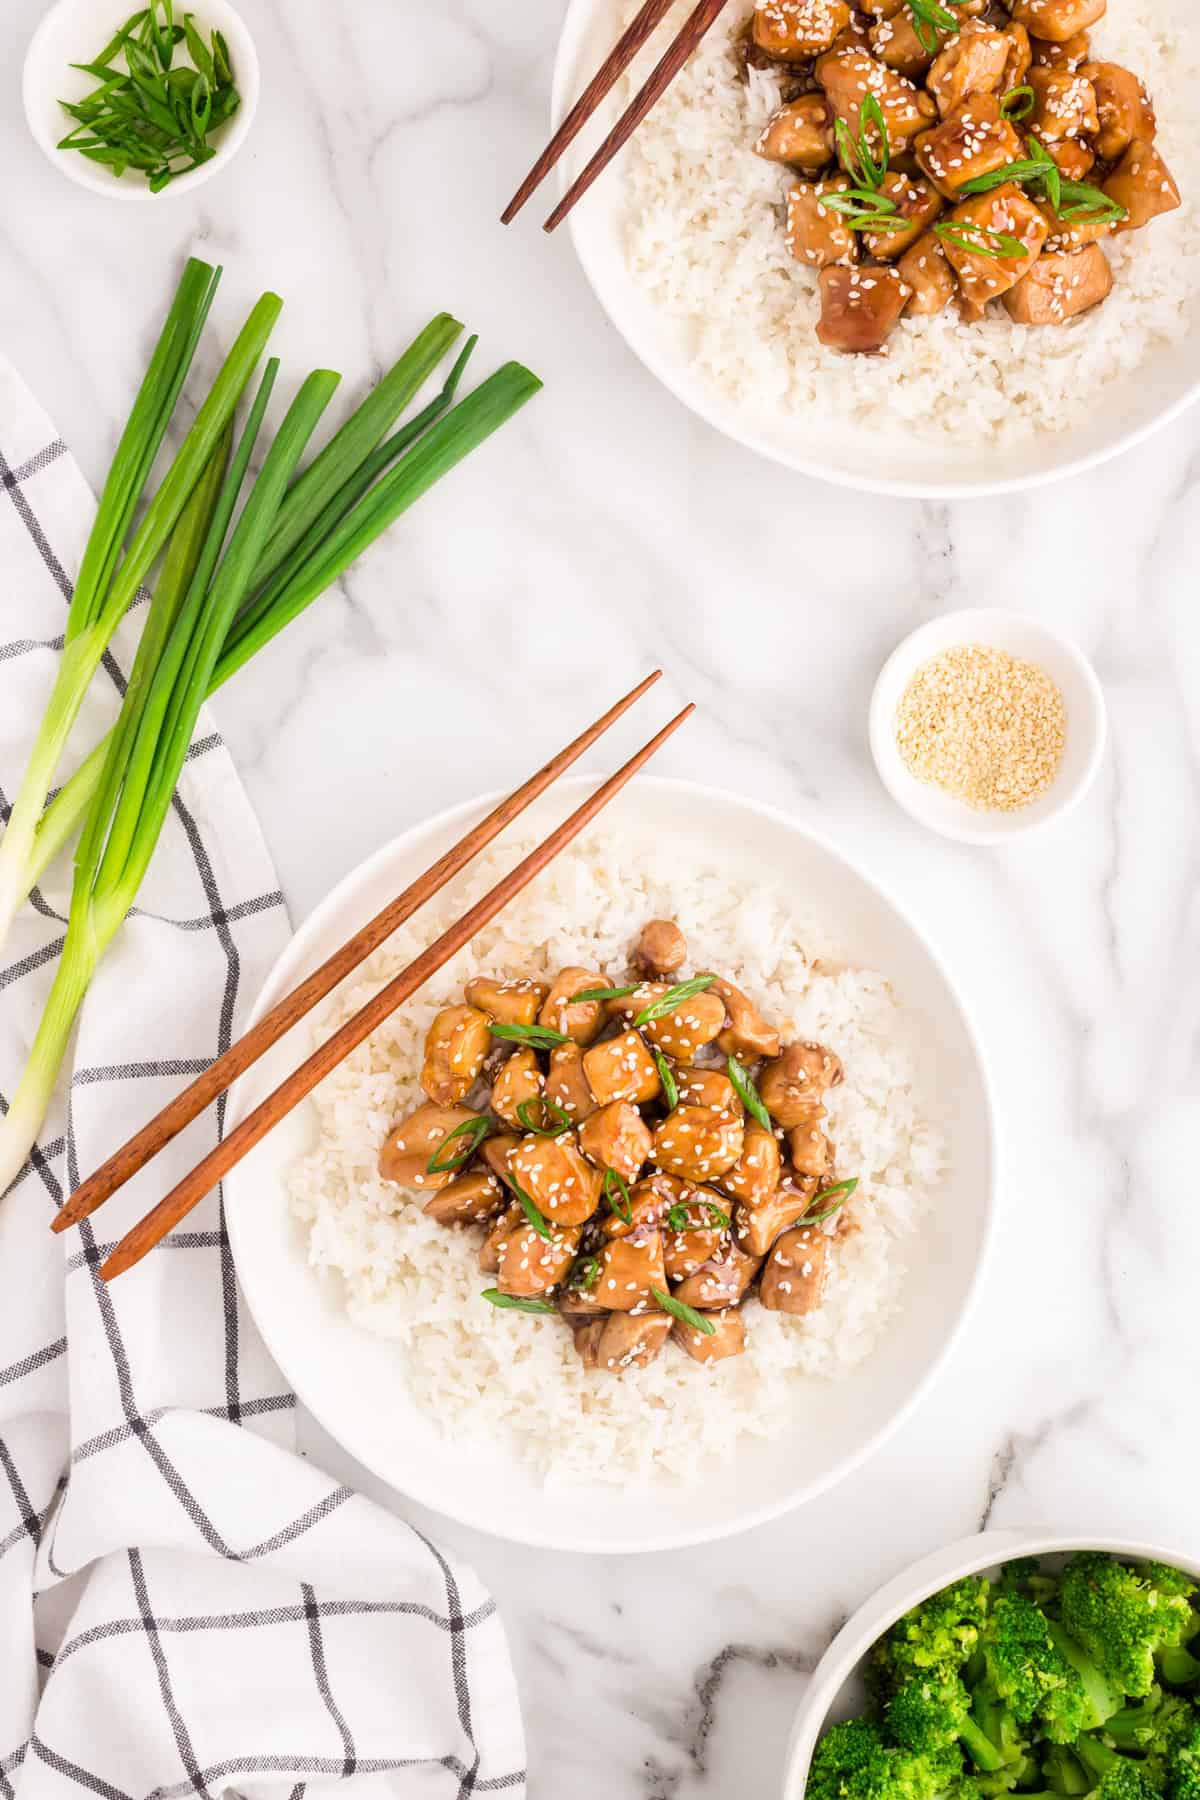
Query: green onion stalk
(109,580)
(202,629)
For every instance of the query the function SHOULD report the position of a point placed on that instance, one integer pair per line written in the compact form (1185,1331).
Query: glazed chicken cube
(986,272)
(815,234)
(628,1342)
(758,1226)
(971,142)
(494,1152)
(1071,54)
(973,62)
(881,9)
(915,200)
(531,1265)
(1060,285)
(510,1220)
(721,1282)
(563,1186)
(796,1271)
(688,1027)
(661,948)
(698,1143)
(1057,20)
(587,1340)
(1073,234)
(508,1002)
(755,1174)
(1073,157)
(795,30)
(693,1233)
(801,136)
(617,1137)
(793,1086)
(467,1200)
(582,1021)
(422,1138)
(709,1087)
(810,1150)
(728,1337)
(630,1267)
(566,1083)
(1143,185)
(648,1204)
(1020,59)
(1064,105)
(897,43)
(455,1051)
(622,1068)
(850,75)
(517,1084)
(925,270)
(1124,107)
(746,1034)
(859,308)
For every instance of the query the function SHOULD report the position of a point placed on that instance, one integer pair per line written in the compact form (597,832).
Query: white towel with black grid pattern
(185,1607)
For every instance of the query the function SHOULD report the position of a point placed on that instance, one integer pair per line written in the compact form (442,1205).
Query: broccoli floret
(1122,1618)
(1171,1726)
(1183,1763)
(1063,1772)
(940,1634)
(1025,1576)
(1117,1777)
(1029,1671)
(852,1762)
(933,1713)
(1179,1666)
(1135,1727)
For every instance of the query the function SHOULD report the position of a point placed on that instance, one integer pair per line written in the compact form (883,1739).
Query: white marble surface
(611,533)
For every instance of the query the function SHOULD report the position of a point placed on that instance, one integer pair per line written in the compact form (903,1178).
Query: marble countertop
(614,533)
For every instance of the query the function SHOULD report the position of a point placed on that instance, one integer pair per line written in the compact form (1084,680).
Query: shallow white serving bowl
(1127,410)
(353,1382)
(73,31)
(835,1690)
(1000,629)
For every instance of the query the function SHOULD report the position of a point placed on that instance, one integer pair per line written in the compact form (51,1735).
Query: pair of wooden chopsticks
(597,90)
(134,1155)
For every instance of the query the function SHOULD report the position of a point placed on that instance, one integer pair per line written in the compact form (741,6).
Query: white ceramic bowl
(1020,635)
(835,1690)
(1119,416)
(351,1381)
(72,31)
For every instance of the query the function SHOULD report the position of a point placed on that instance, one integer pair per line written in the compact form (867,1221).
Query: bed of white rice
(492,1379)
(703,235)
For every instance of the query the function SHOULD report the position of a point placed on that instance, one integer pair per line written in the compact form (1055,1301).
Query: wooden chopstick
(166,1125)
(255,1126)
(699,22)
(597,90)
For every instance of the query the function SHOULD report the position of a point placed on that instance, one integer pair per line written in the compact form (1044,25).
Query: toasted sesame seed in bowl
(986,725)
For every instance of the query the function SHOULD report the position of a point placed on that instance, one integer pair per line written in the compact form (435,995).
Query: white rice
(504,1380)
(703,236)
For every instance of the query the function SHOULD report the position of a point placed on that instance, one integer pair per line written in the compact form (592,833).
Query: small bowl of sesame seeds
(987,724)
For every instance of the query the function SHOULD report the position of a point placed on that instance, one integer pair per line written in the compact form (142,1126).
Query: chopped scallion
(687,1315)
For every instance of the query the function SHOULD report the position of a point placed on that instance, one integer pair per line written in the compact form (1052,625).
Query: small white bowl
(74,30)
(1020,635)
(836,1691)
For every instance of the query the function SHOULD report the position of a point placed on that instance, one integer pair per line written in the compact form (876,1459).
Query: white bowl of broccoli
(1013,1664)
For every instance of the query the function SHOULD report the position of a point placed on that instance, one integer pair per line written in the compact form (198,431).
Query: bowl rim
(305,943)
(956,628)
(697,401)
(928,1575)
(80,171)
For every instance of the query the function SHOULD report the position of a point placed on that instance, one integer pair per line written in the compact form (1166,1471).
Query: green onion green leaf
(1018,103)
(616,1196)
(530,1110)
(679,1216)
(748,1094)
(979,240)
(666,1075)
(472,1132)
(585,1273)
(843,1190)
(666,1003)
(530,1209)
(512,1303)
(687,1315)
(534,1037)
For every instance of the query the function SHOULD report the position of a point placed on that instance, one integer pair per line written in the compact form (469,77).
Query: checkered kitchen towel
(185,1607)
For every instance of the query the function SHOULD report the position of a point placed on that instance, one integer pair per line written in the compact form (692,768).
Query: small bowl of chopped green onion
(137,105)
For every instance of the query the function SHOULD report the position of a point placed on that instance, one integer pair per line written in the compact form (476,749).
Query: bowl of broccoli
(1009,1665)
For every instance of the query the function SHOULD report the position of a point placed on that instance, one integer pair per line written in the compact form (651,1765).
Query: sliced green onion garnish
(748,1094)
(670,1086)
(928,19)
(1038,167)
(534,1037)
(529,1208)
(857,200)
(511,1303)
(584,1274)
(1080,202)
(1018,103)
(857,158)
(616,1196)
(843,1188)
(673,997)
(679,1216)
(687,1315)
(559,1114)
(475,1130)
(979,240)
(608,993)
